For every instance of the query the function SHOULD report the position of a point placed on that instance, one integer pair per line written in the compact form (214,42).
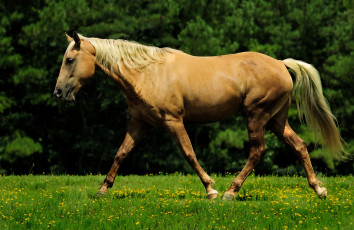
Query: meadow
(173,201)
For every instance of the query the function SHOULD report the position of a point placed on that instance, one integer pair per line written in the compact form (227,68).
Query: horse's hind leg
(256,130)
(179,134)
(280,126)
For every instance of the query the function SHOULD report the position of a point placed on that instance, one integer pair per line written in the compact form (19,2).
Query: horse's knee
(257,153)
(256,157)
(121,155)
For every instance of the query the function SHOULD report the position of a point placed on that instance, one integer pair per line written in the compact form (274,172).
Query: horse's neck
(124,80)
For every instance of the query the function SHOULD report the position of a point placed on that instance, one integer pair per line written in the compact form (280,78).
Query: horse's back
(241,68)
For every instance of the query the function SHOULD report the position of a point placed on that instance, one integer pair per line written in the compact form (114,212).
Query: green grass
(172,202)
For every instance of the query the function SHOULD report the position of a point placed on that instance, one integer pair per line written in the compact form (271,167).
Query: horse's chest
(147,113)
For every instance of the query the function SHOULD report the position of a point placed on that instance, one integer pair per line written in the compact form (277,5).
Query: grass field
(172,202)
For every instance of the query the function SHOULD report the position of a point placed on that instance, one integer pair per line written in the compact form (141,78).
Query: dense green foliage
(172,202)
(38,134)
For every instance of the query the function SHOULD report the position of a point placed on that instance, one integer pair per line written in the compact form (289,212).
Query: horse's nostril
(58,93)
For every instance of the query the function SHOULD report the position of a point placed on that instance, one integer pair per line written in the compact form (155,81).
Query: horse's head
(78,66)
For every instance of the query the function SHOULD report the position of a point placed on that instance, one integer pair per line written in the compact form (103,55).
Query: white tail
(313,106)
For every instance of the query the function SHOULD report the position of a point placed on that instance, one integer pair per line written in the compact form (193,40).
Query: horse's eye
(68,61)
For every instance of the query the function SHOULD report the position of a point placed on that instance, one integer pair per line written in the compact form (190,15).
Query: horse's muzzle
(64,95)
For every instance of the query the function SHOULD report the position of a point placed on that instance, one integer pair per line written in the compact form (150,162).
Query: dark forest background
(40,135)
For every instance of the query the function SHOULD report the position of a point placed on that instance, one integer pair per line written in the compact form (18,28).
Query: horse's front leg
(179,134)
(136,130)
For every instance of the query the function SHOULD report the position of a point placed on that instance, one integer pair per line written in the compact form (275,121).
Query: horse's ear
(70,39)
(76,39)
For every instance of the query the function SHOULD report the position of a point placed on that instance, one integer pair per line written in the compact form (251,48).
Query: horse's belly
(211,112)
(213,99)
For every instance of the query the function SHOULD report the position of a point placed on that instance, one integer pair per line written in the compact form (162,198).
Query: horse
(165,87)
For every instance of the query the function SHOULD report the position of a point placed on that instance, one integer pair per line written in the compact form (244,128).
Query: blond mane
(118,53)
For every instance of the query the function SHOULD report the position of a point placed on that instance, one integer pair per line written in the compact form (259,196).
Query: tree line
(38,134)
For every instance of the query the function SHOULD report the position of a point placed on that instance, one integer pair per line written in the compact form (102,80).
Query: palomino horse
(166,87)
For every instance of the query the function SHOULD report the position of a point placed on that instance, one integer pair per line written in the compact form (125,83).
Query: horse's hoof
(322,193)
(228,197)
(212,195)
